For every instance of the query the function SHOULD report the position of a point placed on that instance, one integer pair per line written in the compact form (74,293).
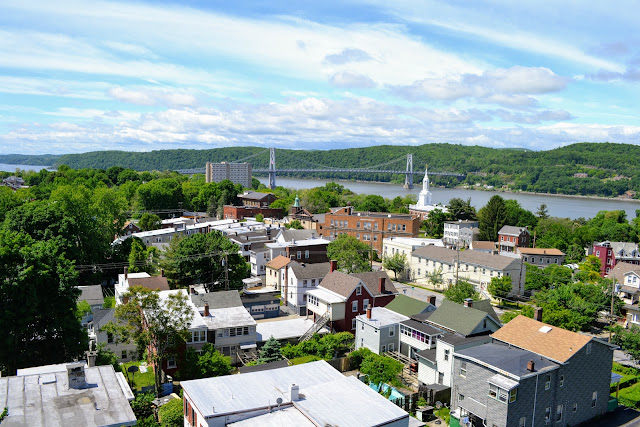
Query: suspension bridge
(318,168)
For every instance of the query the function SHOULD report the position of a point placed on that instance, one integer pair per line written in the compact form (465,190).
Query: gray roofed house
(410,306)
(378,330)
(92,294)
(505,358)
(371,280)
(309,271)
(302,277)
(101,316)
(344,284)
(220,299)
(69,395)
(464,320)
(290,235)
(470,257)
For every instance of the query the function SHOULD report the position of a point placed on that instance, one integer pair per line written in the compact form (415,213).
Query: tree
(396,263)
(38,296)
(543,212)
(270,351)
(142,258)
(208,363)
(461,210)
(461,291)
(508,316)
(352,255)
(434,224)
(628,340)
(491,218)
(171,414)
(589,270)
(260,217)
(156,325)
(518,216)
(373,203)
(160,194)
(499,287)
(149,221)
(82,309)
(295,225)
(107,357)
(380,369)
(435,277)
(199,258)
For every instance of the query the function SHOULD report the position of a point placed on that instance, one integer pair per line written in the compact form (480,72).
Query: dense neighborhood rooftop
(507,359)
(479,258)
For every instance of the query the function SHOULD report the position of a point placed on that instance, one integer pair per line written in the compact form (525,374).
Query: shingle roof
(541,251)
(512,231)
(278,262)
(457,317)
(102,316)
(254,195)
(261,297)
(483,245)
(507,359)
(289,235)
(155,283)
(472,257)
(309,271)
(372,282)
(91,294)
(621,269)
(407,306)
(340,283)
(556,344)
(221,299)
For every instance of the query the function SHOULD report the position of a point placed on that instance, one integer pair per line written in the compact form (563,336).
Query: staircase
(319,324)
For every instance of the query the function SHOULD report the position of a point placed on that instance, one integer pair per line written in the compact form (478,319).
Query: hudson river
(560,206)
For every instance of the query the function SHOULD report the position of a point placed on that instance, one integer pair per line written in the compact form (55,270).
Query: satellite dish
(279,401)
(132,368)
(438,404)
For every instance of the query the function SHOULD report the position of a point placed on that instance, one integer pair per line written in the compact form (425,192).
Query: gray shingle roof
(254,195)
(91,294)
(221,299)
(309,271)
(426,329)
(482,259)
(372,281)
(344,284)
(512,231)
(102,316)
(509,359)
(457,317)
(289,235)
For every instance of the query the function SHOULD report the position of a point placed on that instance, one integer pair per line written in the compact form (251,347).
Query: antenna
(279,401)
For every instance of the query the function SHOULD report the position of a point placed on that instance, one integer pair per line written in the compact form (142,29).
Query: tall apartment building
(238,173)
(369,227)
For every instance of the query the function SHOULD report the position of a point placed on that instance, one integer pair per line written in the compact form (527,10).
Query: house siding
(374,338)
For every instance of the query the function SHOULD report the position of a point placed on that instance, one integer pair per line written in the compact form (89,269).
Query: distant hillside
(604,169)
(21,159)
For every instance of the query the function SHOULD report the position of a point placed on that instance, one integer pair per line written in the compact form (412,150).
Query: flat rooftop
(45,399)
(381,317)
(328,296)
(229,317)
(285,329)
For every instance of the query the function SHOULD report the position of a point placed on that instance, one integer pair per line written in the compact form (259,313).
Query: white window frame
(354,306)
(359,290)
(353,324)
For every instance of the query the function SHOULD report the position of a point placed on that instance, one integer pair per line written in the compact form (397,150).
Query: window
(171,363)
(306,253)
(561,382)
(384,348)
(365,303)
(299,254)
(354,307)
(500,393)
(559,413)
(313,300)
(304,283)
(463,369)
(513,395)
(460,397)
(594,399)
(446,354)
(391,347)
(440,378)
(547,414)
(522,422)
(575,407)
(124,354)
(392,331)
(109,337)
(597,253)
(358,224)
(358,236)
(362,326)
(353,323)
(547,382)
(359,290)
(588,348)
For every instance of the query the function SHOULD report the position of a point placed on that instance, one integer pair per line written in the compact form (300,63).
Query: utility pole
(371,251)
(225,265)
(613,290)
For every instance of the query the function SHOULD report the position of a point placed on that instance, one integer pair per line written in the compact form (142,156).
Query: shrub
(171,414)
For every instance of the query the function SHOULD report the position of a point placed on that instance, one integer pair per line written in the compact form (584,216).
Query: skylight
(545,329)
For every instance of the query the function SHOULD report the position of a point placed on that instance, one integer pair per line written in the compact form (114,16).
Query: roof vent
(545,329)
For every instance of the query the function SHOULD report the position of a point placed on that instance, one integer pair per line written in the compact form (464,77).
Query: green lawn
(139,379)
(305,359)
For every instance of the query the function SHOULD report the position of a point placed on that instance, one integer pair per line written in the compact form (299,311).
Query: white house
(302,277)
(379,330)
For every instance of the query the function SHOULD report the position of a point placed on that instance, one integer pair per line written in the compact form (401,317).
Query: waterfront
(5,167)
(560,206)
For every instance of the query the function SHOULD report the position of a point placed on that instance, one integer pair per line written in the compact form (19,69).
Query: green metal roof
(459,318)
(407,306)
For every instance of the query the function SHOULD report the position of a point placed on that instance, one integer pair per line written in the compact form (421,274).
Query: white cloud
(149,97)
(347,79)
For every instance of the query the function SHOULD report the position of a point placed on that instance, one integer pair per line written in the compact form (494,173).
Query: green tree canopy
(351,254)
(381,369)
(461,291)
(270,351)
(461,210)
(491,218)
(149,221)
(208,363)
(396,263)
(499,287)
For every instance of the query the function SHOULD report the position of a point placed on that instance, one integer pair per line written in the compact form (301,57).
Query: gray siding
(373,338)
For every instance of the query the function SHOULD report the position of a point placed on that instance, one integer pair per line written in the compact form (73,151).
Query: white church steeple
(424,198)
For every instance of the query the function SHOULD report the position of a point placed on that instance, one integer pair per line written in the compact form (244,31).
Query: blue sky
(79,76)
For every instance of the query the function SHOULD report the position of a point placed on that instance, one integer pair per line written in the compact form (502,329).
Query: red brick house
(510,237)
(342,297)
(241,212)
(369,227)
(255,199)
(611,253)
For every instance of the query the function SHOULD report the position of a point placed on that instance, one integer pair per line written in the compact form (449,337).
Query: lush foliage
(628,340)
(208,363)
(171,414)
(458,292)
(325,347)
(396,263)
(499,287)
(270,351)
(491,218)
(381,369)
(164,325)
(142,405)
(352,255)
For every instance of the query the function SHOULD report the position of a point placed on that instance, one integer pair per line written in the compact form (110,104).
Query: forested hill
(604,169)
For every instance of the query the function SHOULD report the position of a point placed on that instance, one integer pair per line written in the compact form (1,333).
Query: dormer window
(359,290)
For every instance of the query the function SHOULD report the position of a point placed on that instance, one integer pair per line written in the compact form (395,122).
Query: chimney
(468,303)
(294,392)
(432,300)
(530,366)
(381,285)
(538,314)
(91,358)
(126,273)
(162,272)
(206,310)
(333,265)
(75,374)
(368,312)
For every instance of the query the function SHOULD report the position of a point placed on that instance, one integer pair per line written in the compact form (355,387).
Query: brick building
(369,227)
(510,238)
(611,253)
(241,212)
(255,199)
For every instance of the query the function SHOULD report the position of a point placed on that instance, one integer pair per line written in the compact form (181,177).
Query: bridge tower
(272,168)
(408,178)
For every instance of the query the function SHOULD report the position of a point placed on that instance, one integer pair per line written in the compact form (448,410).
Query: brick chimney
(206,310)
(91,358)
(537,314)
(368,312)
(530,366)
(333,265)
(126,273)
(381,285)
(75,375)
(432,300)
(468,303)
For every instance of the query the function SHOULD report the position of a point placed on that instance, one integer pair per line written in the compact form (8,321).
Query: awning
(247,346)
(615,378)
(503,382)
(629,289)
